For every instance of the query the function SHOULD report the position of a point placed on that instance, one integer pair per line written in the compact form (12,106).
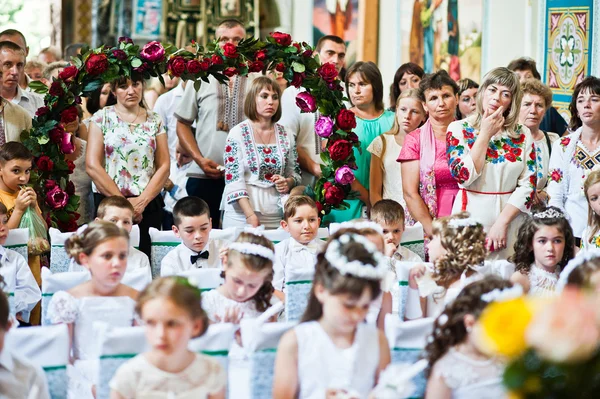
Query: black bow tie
(194,258)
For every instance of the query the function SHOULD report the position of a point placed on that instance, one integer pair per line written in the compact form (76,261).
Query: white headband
(548,214)
(361,224)
(456,223)
(253,249)
(580,259)
(356,268)
(504,294)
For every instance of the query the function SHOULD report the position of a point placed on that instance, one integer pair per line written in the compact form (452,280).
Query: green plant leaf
(136,62)
(298,67)
(38,87)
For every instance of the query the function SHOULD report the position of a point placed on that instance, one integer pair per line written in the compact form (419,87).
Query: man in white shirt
(329,49)
(165,106)
(15,36)
(12,60)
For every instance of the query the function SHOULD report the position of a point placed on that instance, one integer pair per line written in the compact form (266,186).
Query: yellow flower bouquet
(552,346)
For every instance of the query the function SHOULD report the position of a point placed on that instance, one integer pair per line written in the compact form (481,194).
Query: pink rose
(324,126)
(344,175)
(153,52)
(67,146)
(57,198)
(306,102)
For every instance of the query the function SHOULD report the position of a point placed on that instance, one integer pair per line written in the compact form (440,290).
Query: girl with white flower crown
(545,243)
(458,369)
(582,272)
(102,248)
(172,313)
(332,352)
(457,251)
(590,237)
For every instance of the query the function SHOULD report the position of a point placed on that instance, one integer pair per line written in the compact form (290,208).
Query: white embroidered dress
(82,313)
(249,167)
(541,282)
(509,176)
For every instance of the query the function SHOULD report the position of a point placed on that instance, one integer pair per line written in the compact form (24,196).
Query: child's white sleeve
(123,381)
(168,265)
(27,291)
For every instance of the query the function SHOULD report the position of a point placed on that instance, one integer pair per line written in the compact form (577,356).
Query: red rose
(334,195)
(193,66)
(119,54)
(44,163)
(340,150)
(280,67)
(56,89)
(125,39)
(307,53)
(510,157)
(229,72)
(230,50)
(256,66)
(346,120)
(69,73)
(70,188)
(176,66)
(69,115)
(328,72)
(283,39)
(56,134)
(205,64)
(96,64)
(71,166)
(49,184)
(352,137)
(260,55)
(319,207)
(298,79)
(142,68)
(71,225)
(41,111)
(216,59)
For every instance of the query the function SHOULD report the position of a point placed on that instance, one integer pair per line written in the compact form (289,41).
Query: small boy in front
(174,188)
(192,223)
(389,214)
(118,210)
(18,377)
(16,162)
(301,220)
(17,276)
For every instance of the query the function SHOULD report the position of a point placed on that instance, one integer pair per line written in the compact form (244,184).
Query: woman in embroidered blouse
(576,155)
(127,155)
(429,188)
(493,159)
(260,161)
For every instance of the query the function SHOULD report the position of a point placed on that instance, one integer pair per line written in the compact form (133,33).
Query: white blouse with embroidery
(249,166)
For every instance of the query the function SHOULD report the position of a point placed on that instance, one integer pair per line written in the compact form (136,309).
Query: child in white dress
(582,272)
(332,352)
(544,245)
(457,250)
(591,234)
(102,249)
(458,369)
(172,314)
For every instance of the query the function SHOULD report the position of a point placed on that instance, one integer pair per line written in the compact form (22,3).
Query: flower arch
(49,142)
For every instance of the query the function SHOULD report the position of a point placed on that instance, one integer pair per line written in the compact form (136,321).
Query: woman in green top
(364,86)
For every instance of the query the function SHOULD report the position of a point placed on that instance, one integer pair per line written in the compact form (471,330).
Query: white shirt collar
(3,253)
(6,360)
(21,95)
(190,252)
(312,247)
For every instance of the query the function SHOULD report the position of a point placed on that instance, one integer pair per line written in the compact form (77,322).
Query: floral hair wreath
(465,222)
(577,261)
(548,214)
(253,249)
(362,224)
(356,268)
(190,282)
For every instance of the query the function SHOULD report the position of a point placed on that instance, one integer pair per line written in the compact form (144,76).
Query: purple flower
(344,175)
(324,126)
(125,39)
(306,102)
(57,198)
(66,144)
(153,52)
(119,54)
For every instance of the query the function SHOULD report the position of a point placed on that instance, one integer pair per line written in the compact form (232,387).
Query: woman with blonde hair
(385,175)
(493,159)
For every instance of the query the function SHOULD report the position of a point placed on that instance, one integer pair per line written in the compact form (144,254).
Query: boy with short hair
(16,162)
(118,210)
(192,223)
(17,276)
(18,377)
(301,220)
(174,188)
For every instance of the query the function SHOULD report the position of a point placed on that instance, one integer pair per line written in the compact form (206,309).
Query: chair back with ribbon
(403,304)
(134,236)
(54,282)
(47,347)
(137,279)
(413,238)
(116,346)
(162,242)
(17,241)
(407,342)
(59,259)
(206,279)
(298,284)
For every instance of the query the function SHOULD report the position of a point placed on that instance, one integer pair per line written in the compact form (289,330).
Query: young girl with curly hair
(544,245)
(457,250)
(590,238)
(458,369)
(350,353)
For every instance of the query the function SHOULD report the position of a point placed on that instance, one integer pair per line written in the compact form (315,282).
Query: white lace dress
(82,313)
(541,282)
(469,378)
(138,378)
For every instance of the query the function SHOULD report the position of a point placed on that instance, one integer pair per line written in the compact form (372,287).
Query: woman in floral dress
(493,159)
(261,161)
(576,155)
(127,155)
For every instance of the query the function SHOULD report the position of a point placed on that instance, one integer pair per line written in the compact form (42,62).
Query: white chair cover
(134,236)
(52,283)
(407,341)
(9,289)
(116,346)
(48,348)
(162,242)
(59,260)
(323,233)
(137,279)
(297,289)
(406,305)
(413,238)
(276,236)
(230,234)
(17,241)
(207,279)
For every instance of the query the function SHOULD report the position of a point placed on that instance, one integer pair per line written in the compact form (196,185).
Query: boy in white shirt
(18,377)
(389,214)
(118,210)
(17,275)
(301,220)
(174,188)
(192,223)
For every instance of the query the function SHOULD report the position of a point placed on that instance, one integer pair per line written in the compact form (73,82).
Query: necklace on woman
(257,135)
(137,115)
